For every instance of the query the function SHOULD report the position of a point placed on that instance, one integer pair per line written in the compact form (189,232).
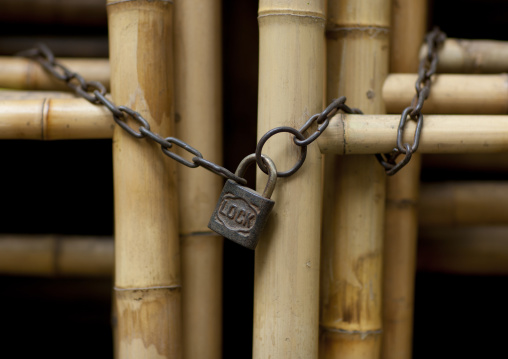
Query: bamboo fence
(401,223)
(451,93)
(53,255)
(26,74)
(370,134)
(467,250)
(286,277)
(471,56)
(147,253)
(198,86)
(350,317)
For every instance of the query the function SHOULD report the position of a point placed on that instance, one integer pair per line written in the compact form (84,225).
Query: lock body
(240,214)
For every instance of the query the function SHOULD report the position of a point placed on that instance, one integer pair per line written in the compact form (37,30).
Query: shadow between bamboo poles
(198,87)
(26,74)
(147,258)
(291,83)
(409,19)
(354,186)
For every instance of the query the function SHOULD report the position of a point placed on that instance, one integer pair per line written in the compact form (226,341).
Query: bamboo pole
(198,87)
(401,223)
(54,119)
(351,257)
(55,255)
(34,95)
(75,12)
(453,94)
(464,250)
(286,277)
(492,162)
(369,134)
(62,46)
(147,261)
(471,56)
(464,203)
(26,74)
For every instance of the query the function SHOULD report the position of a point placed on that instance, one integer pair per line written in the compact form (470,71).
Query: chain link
(426,70)
(95,93)
(322,119)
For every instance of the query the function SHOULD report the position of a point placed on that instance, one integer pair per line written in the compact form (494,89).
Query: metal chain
(427,68)
(322,119)
(95,93)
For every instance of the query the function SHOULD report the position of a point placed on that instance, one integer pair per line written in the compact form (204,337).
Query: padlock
(241,213)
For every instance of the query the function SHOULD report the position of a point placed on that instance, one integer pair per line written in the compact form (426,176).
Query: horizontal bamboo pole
(471,56)
(464,203)
(55,255)
(26,74)
(492,162)
(75,12)
(54,119)
(454,94)
(370,134)
(464,250)
(70,46)
(33,95)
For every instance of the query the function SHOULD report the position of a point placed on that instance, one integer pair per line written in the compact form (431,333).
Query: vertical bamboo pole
(147,263)
(408,27)
(291,84)
(351,257)
(198,87)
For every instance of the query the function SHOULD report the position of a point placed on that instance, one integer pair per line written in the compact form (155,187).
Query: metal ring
(397,167)
(266,136)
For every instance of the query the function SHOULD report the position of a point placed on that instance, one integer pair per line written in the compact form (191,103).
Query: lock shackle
(272,172)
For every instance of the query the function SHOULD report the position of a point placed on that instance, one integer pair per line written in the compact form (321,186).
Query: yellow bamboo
(147,255)
(286,280)
(453,94)
(401,224)
(369,134)
(351,257)
(55,255)
(471,250)
(26,74)
(33,95)
(54,119)
(471,56)
(198,87)
(464,203)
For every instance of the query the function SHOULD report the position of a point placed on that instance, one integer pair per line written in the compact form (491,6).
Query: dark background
(65,187)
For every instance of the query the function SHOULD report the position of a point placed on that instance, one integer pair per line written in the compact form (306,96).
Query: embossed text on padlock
(241,213)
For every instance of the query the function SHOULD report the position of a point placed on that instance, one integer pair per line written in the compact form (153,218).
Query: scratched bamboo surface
(26,74)
(56,255)
(54,119)
(199,86)
(147,253)
(402,194)
(353,213)
(286,277)
(450,94)
(471,56)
